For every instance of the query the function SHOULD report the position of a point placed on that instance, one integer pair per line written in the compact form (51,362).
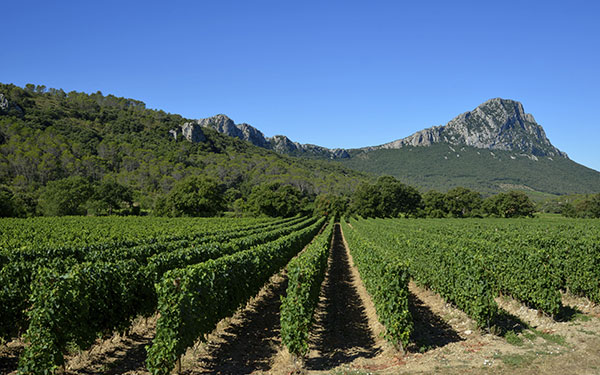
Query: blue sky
(333,73)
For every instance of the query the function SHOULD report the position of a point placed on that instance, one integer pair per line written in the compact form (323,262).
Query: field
(299,295)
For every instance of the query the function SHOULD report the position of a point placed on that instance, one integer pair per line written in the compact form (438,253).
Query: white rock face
(278,143)
(3,103)
(190,131)
(498,124)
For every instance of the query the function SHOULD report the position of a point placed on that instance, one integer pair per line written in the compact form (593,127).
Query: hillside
(48,134)
(495,147)
(442,166)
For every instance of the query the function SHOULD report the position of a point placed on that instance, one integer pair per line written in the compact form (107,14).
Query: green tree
(434,204)
(388,197)
(366,201)
(510,204)
(462,202)
(331,205)
(595,206)
(7,203)
(111,195)
(193,196)
(65,197)
(276,199)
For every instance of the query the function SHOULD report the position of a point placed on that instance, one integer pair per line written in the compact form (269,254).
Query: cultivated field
(299,295)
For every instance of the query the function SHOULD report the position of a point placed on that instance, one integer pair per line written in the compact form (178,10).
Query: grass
(552,338)
(513,339)
(580,317)
(516,360)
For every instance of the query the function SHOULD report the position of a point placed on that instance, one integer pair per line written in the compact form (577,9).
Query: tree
(510,204)
(331,205)
(366,201)
(65,197)
(462,202)
(397,198)
(388,197)
(434,204)
(276,199)
(193,196)
(7,202)
(595,206)
(111,195)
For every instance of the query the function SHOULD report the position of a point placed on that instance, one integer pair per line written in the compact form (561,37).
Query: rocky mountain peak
(278,143)
(497,124)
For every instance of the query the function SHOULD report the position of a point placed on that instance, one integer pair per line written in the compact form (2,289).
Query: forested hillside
(442,167)
(49,135)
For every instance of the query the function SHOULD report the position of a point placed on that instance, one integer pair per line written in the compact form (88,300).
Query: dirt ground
(347,337)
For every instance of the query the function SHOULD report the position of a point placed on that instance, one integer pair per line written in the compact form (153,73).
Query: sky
(333,73)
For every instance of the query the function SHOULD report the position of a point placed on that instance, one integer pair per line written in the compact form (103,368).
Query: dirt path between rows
(341,333)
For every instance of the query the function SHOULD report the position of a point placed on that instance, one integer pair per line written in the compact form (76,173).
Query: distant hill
(495,147)
(442,166)
(278,143)
(48,134)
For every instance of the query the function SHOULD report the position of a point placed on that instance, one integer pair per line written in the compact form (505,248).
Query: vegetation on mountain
(443,167)
(75,153)
(49,135)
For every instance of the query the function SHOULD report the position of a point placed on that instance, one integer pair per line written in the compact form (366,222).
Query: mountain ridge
(496,124)
(495,147)
(278,143)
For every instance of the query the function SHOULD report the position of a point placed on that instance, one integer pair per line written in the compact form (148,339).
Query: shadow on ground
(430,331)
(250,342)
(342,331)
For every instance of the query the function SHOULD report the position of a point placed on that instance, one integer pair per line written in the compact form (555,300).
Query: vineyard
(69,283)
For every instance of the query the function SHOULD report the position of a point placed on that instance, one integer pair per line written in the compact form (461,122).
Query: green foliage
(453,271)
(9,205)
(192,300)
(582,207)
(462,202)
(90,298)
(276,199)
(48,135)
(65,197)
(110,195)
(434,204)
(388,197)
(305,276)
(510,204)
(489,172)
(386,279)
(331,205)
(111,286)
(193,196)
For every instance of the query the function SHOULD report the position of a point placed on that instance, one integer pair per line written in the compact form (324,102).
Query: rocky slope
(278,143)
(498,124)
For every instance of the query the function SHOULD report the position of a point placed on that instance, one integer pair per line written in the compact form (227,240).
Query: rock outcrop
(498,124)
(191,131)
(6,107)
(277,143)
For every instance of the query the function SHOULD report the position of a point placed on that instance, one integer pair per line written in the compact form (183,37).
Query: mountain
(278,143)
(498,124)
(495,147)
(49,134)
